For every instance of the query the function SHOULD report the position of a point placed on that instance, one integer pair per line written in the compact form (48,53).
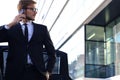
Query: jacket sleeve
(50,50)
(3,34)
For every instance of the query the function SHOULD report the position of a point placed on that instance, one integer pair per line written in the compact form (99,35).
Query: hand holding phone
(21,16)
(22,12)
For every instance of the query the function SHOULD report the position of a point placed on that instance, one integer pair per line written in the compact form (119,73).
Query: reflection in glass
(56,69)
(75,51)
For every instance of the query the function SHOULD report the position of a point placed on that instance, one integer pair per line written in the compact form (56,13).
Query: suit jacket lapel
(20,32)
(17,31)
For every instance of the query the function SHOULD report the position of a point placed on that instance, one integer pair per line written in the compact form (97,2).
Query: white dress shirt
(30,33)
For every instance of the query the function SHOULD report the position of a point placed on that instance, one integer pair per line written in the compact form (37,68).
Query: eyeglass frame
(32,9)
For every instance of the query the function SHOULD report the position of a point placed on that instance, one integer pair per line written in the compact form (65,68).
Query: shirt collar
(28,23)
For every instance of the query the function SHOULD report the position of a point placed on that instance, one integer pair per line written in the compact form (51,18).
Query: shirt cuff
(7,27)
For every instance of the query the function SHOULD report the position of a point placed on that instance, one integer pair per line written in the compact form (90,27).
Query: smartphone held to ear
(21,11)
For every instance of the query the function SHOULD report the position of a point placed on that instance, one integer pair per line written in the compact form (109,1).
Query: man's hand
(47,74)
(16,20)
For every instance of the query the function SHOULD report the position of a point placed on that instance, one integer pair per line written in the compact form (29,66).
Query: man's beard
(28,18)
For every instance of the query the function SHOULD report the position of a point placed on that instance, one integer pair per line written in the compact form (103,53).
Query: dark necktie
(26,39)
(26,32)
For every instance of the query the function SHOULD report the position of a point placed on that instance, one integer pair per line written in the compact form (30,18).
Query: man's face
(31,12)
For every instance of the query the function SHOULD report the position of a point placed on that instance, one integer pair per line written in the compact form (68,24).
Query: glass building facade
(102,56)
(102,50)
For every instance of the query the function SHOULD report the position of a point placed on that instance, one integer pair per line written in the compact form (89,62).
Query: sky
(8,11)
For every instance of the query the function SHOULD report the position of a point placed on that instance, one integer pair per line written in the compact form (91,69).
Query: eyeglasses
(33,9)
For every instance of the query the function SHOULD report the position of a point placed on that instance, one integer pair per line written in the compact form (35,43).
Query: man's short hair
(24,3)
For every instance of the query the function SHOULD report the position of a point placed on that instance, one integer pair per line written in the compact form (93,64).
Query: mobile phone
(21,11)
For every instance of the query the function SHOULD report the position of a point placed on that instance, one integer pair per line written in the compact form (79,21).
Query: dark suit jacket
(18,49)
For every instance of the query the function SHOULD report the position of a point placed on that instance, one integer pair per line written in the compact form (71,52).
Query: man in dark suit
(25,60)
